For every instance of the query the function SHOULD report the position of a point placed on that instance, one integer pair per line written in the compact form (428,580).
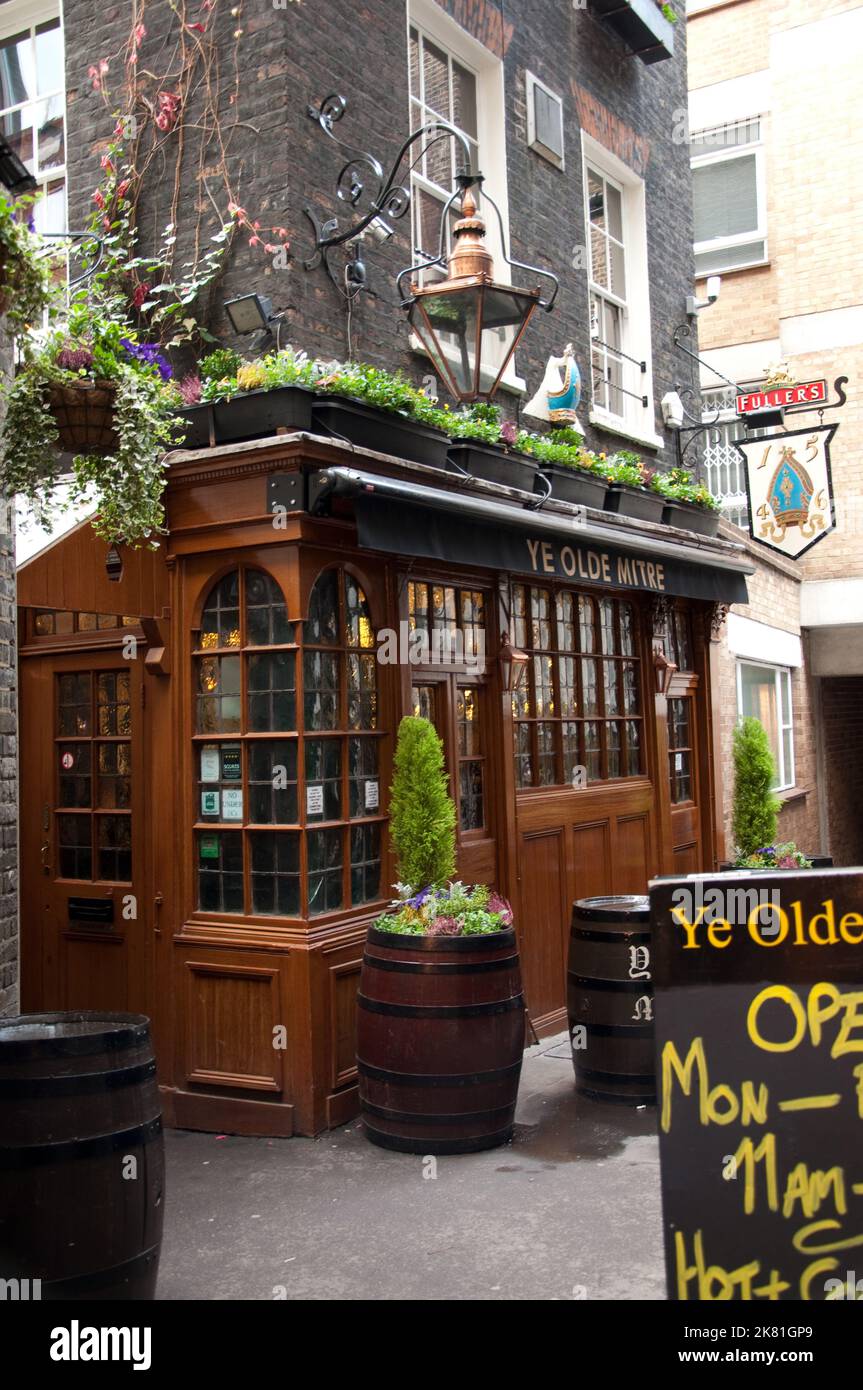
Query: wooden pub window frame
(451,677)
(685,685)
(247,736)
(557,654)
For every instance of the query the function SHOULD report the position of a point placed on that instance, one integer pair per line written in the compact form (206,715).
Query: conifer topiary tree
(422,814)
(756,806)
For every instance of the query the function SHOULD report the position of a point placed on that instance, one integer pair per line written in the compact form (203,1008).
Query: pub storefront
(207,747)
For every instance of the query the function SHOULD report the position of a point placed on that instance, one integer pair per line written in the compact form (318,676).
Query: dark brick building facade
(295,54)
(8,747)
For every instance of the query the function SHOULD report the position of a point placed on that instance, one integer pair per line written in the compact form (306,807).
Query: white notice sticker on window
(210,763)
(232,803)
(314,801)
(372,796)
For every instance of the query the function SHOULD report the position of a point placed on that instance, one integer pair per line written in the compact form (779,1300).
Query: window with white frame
(724,467)
(32,103)
(764,693)
(442,88)
(730,197)
(621,387)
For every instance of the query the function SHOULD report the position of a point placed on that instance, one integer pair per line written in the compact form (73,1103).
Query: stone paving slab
(570,1209)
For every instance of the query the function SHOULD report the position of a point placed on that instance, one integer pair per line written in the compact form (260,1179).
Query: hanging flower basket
(84,414)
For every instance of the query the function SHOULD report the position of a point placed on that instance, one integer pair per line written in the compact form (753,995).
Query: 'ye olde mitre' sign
(758,982)
(790,488)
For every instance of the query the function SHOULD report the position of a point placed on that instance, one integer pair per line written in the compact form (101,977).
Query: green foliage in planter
(481,421)
(422,813)
(26,288)
(125,486)
(669,13)
(454,910)
(785,856)
(223,363)
(756,806)
(627,468)
(678,486)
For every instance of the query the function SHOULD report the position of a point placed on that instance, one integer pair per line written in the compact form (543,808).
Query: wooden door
(84,909)
(460,709)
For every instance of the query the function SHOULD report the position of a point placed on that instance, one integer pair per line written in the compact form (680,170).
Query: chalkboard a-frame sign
(758,983)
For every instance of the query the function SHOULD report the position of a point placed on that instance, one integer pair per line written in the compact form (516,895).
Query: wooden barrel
(610,1000)
(81,1155)
(440,1036)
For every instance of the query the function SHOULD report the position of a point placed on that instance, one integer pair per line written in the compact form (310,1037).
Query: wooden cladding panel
(542,921)
(231,1012)
(344,982)
(592,858)
(632,867)
(94,973)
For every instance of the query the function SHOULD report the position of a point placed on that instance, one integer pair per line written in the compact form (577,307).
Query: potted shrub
(92,390)
(379,410)
(440,1023)
(482,447)
(689,505)
(575,474)
(629,492)
(756,807)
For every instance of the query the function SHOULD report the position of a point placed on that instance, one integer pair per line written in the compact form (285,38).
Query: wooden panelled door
(84,910)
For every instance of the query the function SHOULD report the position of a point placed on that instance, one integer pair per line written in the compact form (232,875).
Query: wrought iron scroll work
(80,237)
(465,182)
(388,196)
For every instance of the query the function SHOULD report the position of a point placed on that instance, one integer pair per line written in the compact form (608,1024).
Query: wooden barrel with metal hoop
(610,1000)
(440,1035)
(81,1155)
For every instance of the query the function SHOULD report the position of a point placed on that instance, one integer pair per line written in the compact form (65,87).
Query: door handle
(43,853)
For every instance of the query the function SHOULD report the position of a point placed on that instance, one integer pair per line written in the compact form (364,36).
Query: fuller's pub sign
(790,488)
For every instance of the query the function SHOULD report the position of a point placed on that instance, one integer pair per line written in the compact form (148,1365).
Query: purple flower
(72,358)
(31,224)
(420,898)
(190,390)
(509,432)
(149,354)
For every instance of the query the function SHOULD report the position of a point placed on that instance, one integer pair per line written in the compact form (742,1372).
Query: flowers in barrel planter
(94,391)
(453,910)
(785,856)
(756,806)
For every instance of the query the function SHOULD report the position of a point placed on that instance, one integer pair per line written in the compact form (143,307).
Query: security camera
(378,231)
(694,306)
(672,411)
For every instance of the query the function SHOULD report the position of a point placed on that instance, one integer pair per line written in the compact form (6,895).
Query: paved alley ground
(570,1209)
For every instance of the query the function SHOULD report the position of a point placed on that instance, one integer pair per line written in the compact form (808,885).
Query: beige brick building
(776,128)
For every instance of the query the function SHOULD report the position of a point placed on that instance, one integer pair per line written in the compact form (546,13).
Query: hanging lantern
(469,325)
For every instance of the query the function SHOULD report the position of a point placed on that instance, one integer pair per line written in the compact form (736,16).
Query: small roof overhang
(403,517)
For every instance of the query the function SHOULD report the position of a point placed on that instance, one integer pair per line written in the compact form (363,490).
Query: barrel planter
(440,1035)
(610,996)
(79,1113)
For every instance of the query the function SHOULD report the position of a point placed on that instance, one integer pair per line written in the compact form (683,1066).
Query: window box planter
(574,485)
(382,430)
(440,1034)
(493,464)
(256,414)
(636,502)
(198,423)
(688,518)
(641,25)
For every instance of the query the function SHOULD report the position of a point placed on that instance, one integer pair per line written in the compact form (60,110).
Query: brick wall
(842,715)
(303,52)
(8,746)
(774,599)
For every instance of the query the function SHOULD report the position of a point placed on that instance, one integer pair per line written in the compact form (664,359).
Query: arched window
(287,814)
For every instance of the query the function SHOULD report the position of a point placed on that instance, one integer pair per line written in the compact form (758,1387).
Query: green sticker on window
(208,847)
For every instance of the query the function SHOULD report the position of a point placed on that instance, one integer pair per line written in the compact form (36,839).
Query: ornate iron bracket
(389,196)
(80,237)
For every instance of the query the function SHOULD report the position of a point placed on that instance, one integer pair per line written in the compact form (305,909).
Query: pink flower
(139,34)
(190,390)
(500,905)
(509,432)
(163,121)
(444,926)
(196,28)
(106,223)
(141,292)
(99,198)
(105,162)
(254,241)
(123,188)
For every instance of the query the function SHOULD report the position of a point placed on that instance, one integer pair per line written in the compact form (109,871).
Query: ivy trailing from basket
(93,352)
(26,265)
